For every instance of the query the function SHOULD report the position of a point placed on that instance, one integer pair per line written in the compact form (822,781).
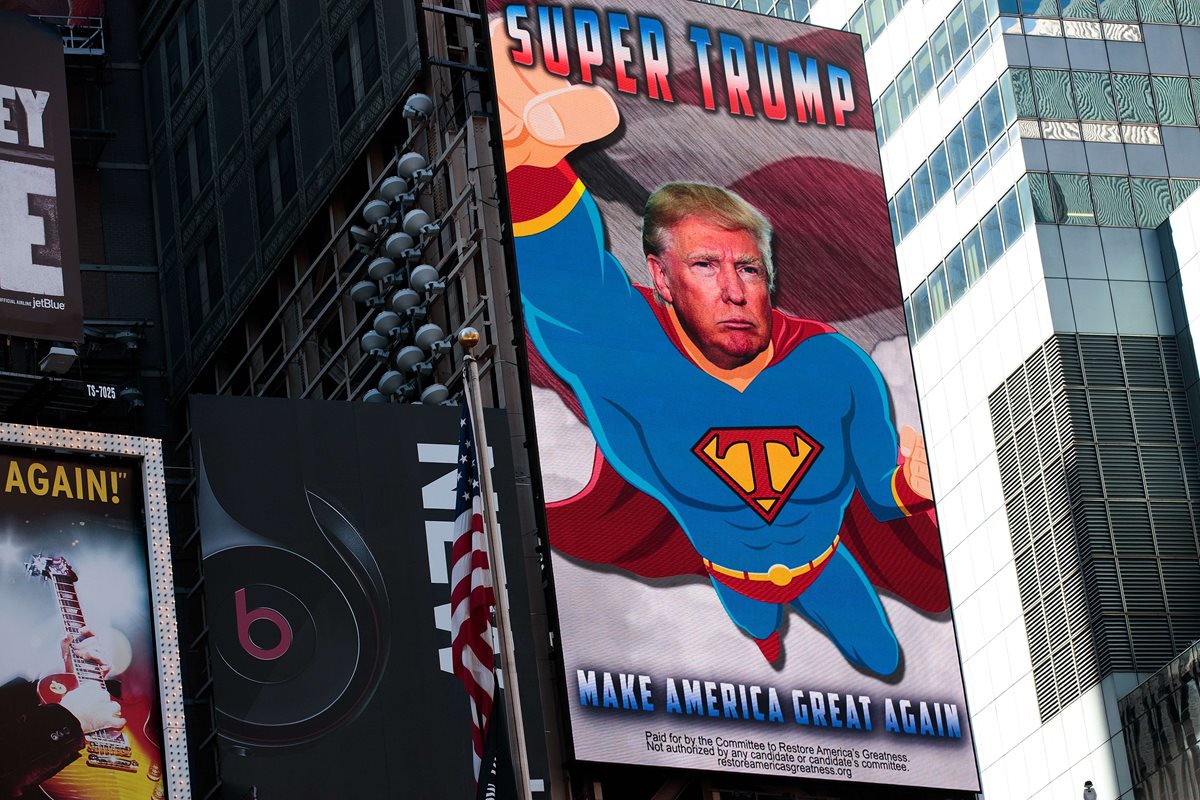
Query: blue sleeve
(580,306)
(870,435)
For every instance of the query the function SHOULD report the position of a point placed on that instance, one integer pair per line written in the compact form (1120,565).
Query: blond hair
(672,203)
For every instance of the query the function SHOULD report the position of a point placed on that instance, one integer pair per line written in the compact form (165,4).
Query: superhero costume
(765,476)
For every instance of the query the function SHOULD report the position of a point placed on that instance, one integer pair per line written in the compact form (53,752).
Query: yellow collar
(738,377)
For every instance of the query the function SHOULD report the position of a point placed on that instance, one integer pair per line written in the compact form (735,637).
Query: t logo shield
(762,466)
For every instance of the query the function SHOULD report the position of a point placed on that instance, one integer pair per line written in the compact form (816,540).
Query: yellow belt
(779,574)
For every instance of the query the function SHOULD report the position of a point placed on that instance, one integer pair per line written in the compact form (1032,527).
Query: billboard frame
(42,45)
(563,692)
(148,452)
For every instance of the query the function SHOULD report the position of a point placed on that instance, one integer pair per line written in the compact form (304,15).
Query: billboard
(81,708)
(39,264)
(326,531)
(746,559)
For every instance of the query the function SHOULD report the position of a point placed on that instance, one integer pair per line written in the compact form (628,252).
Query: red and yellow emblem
(762,466)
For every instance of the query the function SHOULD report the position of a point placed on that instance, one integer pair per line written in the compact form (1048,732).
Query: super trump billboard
(746,560)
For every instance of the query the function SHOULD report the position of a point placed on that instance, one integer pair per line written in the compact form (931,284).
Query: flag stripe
(471,594)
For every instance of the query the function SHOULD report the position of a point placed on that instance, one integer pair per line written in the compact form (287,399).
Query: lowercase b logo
(283,630)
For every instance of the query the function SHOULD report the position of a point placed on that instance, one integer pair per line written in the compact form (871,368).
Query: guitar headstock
(44,566)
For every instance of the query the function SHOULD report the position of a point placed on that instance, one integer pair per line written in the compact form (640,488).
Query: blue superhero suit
(814,424)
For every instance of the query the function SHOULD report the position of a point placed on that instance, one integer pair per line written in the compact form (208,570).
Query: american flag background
(471,594)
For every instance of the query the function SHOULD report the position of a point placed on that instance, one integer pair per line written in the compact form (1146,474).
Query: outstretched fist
(544,117)
(916,464)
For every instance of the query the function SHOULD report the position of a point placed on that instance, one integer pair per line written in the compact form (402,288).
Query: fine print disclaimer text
(779,756)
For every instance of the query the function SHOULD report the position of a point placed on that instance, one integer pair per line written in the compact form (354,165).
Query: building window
(962,268)
(204,282)
(356,64)
(275,177)
(193,163)
(1119,201)
(183,49)
(262,56)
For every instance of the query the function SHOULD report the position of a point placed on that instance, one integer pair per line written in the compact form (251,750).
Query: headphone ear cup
(285,644)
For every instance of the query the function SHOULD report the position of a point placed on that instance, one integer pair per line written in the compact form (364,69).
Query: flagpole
(468,338)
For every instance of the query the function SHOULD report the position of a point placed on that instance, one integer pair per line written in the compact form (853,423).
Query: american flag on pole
(471,594)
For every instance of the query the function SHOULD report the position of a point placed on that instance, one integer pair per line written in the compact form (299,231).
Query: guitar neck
(73,623)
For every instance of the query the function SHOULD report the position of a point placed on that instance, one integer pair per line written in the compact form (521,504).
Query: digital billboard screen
(79,690)
(746,560)
(39,264)
(326,530)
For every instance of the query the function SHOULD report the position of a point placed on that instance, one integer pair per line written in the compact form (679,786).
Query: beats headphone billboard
(325,530)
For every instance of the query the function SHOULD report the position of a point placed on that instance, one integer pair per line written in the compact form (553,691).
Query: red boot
(771,647)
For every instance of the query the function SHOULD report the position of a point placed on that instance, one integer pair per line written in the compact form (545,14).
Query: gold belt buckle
(779,575)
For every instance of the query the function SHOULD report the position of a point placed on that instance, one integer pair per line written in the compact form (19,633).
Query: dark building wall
(255,111)
(117,246)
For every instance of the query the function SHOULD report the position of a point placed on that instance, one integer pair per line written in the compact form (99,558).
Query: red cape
(903,557)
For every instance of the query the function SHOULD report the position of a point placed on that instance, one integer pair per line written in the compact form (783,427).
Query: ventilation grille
(1100,497)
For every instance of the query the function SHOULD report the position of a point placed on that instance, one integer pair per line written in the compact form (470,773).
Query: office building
(273,126)
(1030,149)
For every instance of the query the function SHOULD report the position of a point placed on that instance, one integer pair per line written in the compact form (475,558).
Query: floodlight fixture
(372,341)
(392,187)
(375,211)
(404,299)
(374,396)
(391,382)
(427,335)
(398,244)
(408,357)
(132,397)
(415,220)
(409,163)
(58,360)
(418,106)
(435,394)
(363,291)
(380,268)
(422,276)
(131,339)
(386,322)
(361,235)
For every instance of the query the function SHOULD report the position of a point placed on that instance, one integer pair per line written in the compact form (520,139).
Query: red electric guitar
(119,764)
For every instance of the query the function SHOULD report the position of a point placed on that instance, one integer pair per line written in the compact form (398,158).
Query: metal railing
(82,36)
